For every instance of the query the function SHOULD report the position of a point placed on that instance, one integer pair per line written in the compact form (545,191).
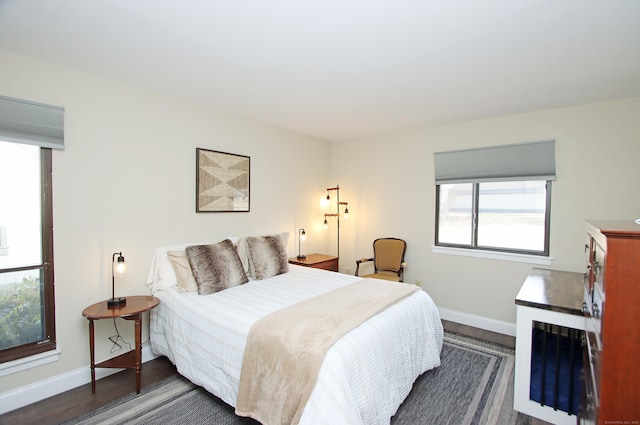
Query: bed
(365,375)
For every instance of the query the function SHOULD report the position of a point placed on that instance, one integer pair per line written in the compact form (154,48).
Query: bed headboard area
(209,267)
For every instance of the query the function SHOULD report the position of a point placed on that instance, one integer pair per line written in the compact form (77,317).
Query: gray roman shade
(22,121)
(522,161)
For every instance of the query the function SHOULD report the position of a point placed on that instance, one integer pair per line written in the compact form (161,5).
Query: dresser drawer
(599,258)
(593,324)
(592,362)
(596,311)
(589,403)
(317,261)
(331,265)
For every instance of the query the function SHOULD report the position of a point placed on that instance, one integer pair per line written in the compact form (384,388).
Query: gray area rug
(474,385)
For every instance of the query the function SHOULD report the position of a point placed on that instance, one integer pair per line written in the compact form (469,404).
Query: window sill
(493,255)
(30,362)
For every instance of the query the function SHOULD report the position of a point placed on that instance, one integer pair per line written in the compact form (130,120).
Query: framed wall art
(222,181)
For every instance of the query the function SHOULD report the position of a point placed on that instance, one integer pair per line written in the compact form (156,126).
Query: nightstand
(131,310)
(317,261)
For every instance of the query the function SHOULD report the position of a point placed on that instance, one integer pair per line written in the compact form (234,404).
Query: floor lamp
(337,213)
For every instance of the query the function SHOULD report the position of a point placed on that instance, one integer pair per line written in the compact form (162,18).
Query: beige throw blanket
(285,349)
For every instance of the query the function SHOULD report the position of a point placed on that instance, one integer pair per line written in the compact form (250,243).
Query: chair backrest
(388,254)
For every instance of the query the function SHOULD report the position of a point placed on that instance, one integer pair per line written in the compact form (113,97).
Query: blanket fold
(286,349)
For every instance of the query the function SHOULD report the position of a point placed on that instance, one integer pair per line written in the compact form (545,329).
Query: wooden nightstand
(132,310)
(317,261)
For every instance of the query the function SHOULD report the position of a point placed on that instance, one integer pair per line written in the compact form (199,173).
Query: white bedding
(365,377)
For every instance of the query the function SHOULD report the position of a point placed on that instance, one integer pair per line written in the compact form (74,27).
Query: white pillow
(161,274)
(182,268)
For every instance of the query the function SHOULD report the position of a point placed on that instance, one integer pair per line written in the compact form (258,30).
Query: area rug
(474,385)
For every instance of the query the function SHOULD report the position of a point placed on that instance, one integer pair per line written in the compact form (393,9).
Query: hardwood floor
(80,400)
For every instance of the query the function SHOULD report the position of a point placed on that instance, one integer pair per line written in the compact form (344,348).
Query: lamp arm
(113,273)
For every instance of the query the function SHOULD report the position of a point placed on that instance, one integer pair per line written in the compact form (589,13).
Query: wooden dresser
(317,261)
(612,315)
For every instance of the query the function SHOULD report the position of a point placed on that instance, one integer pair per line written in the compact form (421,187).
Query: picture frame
(223,181)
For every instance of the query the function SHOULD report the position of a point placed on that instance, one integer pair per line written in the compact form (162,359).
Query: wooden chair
(388,259)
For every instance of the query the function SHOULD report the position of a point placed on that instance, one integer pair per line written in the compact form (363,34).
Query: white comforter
(365,377)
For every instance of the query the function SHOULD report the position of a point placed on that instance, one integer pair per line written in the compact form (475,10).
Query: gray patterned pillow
(216,267)
(267,256)
(243,250)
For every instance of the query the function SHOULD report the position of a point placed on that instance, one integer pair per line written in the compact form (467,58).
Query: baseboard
(481,322)
(32,393)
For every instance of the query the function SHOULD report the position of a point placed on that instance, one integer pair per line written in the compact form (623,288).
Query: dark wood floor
(80,400)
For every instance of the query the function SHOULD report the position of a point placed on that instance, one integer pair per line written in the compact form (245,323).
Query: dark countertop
(553,290)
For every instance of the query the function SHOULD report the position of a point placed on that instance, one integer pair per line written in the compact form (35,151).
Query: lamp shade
(120,265)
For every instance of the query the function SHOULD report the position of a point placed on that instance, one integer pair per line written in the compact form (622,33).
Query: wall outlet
(419,283)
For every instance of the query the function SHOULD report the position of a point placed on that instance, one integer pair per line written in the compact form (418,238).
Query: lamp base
(116,302)
(301,257)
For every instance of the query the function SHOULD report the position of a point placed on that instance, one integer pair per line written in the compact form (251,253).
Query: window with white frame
(28,132)
(496,198)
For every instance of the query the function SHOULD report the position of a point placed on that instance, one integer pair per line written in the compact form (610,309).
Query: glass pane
(21,308)
(454,214)
(512,215)
(20,229)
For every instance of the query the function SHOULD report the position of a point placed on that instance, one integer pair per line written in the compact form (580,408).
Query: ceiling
(344,69)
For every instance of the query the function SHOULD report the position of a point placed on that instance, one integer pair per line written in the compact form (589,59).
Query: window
(26,265)
(495,199)
(507,216)
(28,133)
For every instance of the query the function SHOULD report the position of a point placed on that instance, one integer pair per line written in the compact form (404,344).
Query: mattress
(365,376)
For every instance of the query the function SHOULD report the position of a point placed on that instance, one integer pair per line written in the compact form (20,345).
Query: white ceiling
(343,69)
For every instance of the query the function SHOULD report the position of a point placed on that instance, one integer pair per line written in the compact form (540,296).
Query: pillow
(267,256)
(215,267)
(182,268)
(243,250)
(161,273)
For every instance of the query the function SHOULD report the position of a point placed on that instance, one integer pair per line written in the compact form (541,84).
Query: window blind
(23,121)
(517,162)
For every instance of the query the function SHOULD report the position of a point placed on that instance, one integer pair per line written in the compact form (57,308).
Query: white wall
(390,184)
(126,182)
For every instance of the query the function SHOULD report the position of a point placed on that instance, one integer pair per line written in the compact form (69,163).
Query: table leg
(92,353)
(138,351)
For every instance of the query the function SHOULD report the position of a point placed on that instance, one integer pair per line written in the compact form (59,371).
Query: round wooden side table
(131,310)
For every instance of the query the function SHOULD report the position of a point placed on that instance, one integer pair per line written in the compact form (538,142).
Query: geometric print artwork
(222,181)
